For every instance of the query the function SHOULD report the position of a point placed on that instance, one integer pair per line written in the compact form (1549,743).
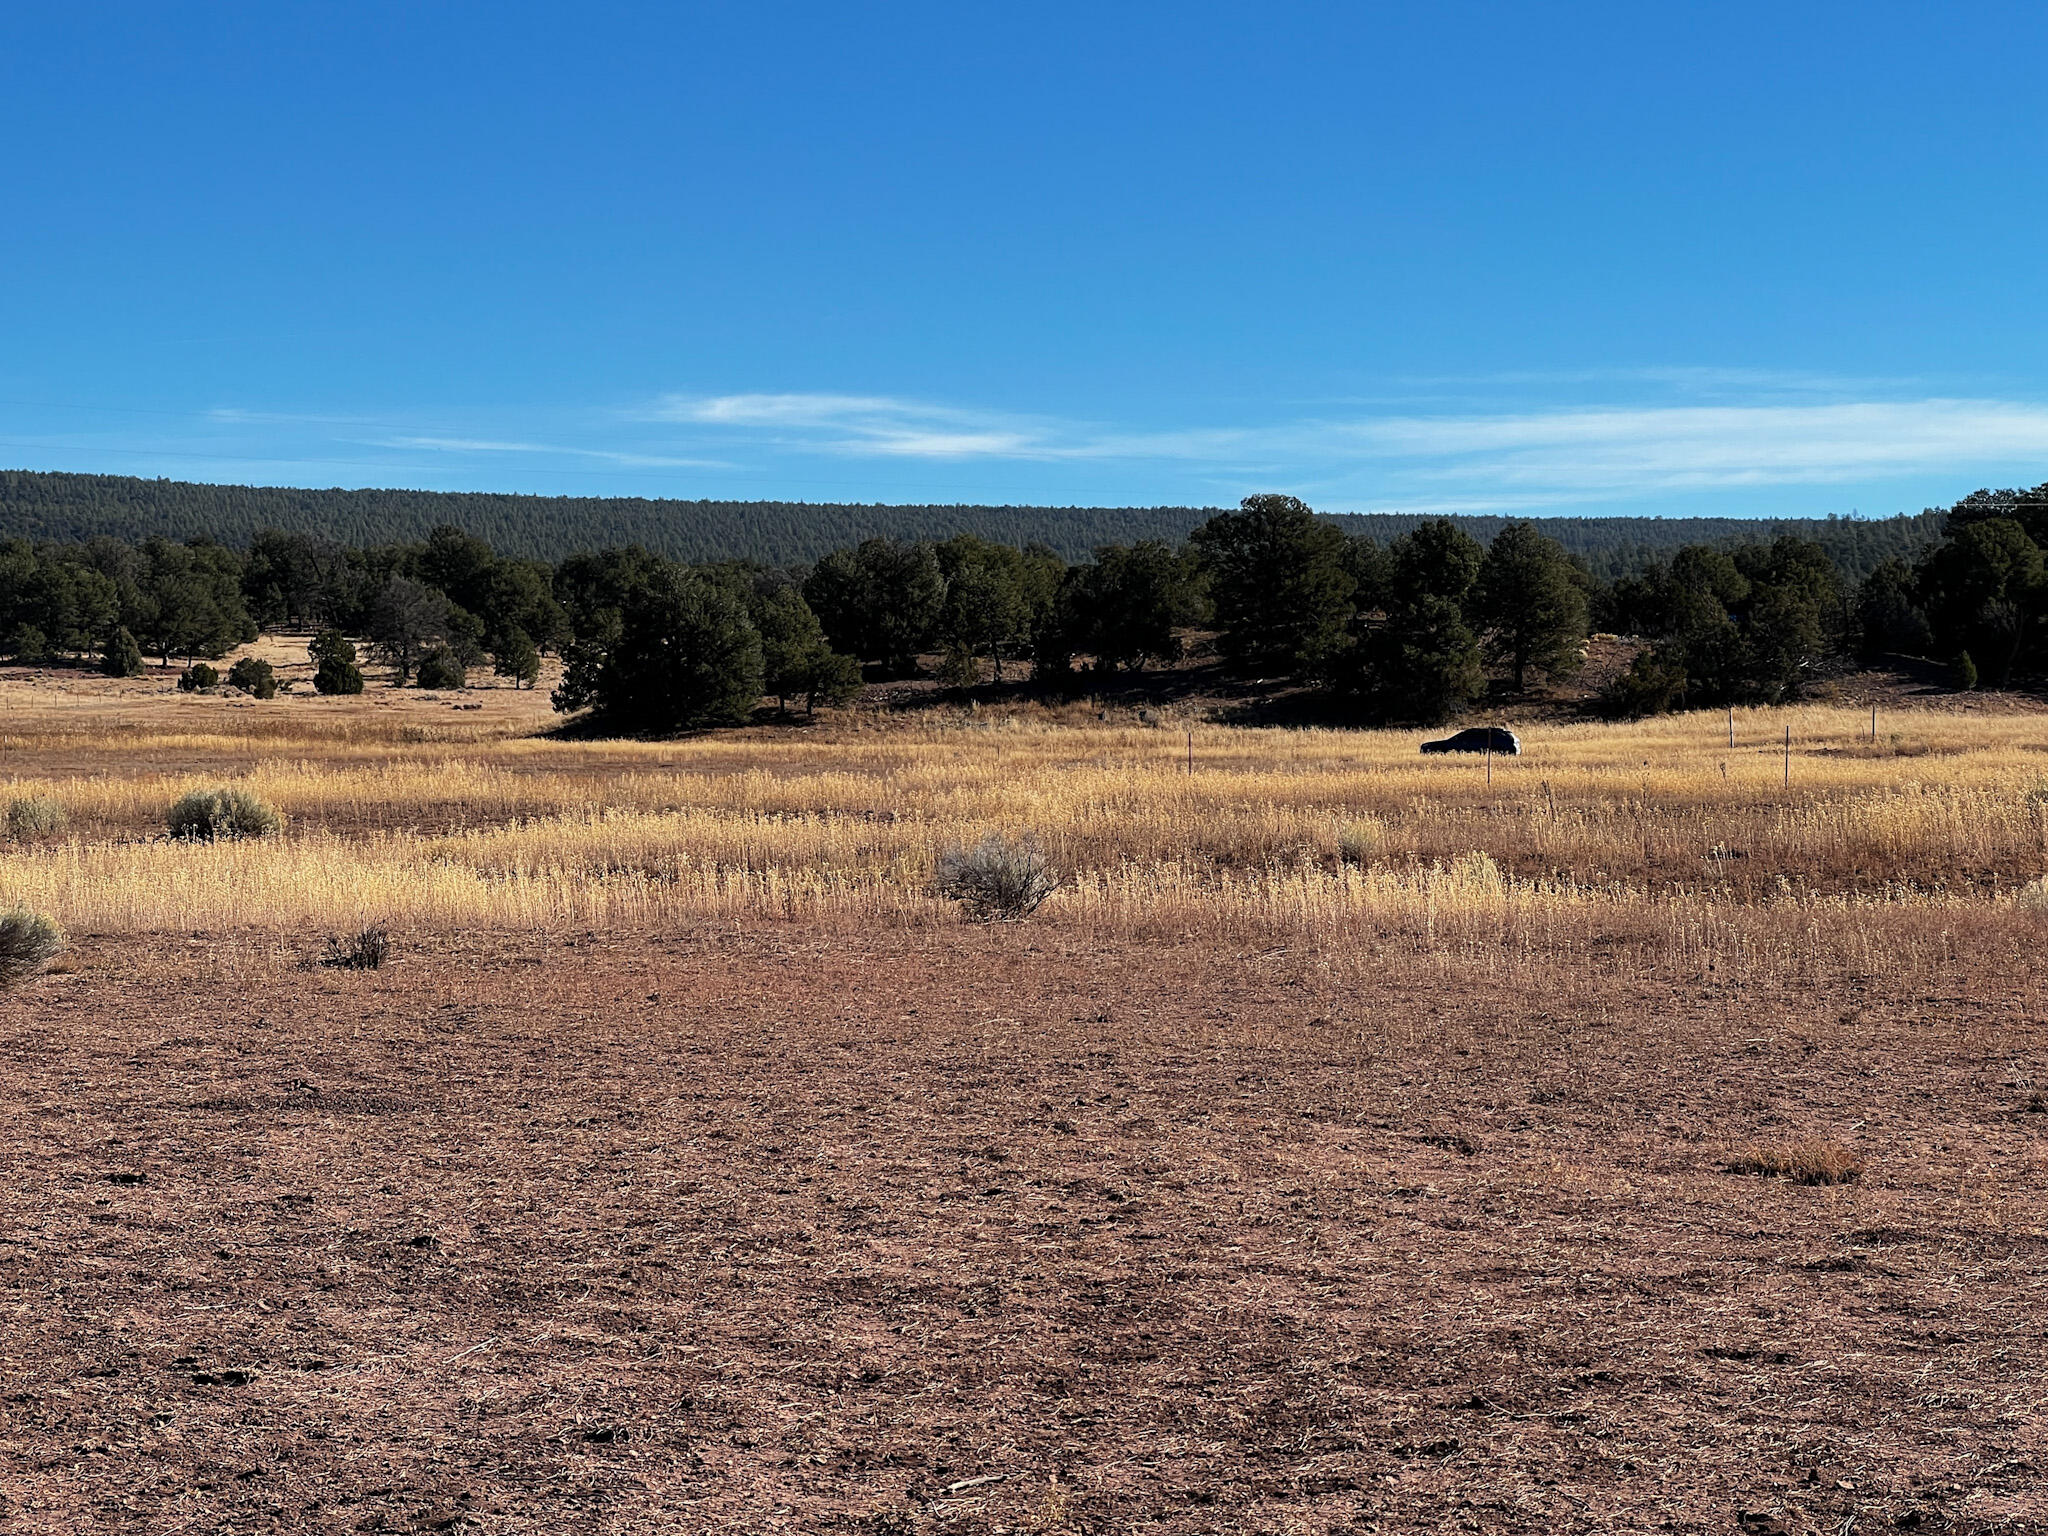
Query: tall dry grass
(1657,833)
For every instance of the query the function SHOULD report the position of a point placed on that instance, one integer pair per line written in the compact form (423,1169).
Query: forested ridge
(41,505)
(68,507)
(1417,628)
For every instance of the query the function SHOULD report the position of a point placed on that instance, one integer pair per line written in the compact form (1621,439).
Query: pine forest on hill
(66,507)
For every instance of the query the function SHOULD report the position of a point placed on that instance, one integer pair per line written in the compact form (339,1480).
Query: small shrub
(27,944)
(122,656)
(36,816)
(367,951)
(253,677)
(959,668)
(196,677)
(334,663)
(1654,684)
(2033,897)
(442,668)
(338,677)
(999,881)
(1964,676)
(330,645)
(207,814)
(1809,1160)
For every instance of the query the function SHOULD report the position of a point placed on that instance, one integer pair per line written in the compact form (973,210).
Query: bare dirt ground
(951,1230)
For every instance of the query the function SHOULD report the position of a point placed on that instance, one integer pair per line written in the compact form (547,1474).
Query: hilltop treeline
(37,505)
(76,507)
(1412,629)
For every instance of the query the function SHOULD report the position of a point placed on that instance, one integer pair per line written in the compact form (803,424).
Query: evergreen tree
(1124,608)
(405,620)
(517,658)
(334,663)
(1528,600)
(1435,559)
(297,578)
(1889,618)
(796,661)
(442,668)
(1986,592)
(880,601)
(189,600)
(593,589)
(685,655)
(1421,664)
(1281,582)
(254,677)
(989,608)
(1653,684)
(122,656)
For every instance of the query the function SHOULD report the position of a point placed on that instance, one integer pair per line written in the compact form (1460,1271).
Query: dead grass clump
(1808,1160)
(1363,841)
(1451,1141)
(2033,897)
(28,942)
(366,951)
(999,881)
(206,815)
(36,816)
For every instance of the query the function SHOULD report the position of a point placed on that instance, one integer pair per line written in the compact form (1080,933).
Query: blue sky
(1547,258)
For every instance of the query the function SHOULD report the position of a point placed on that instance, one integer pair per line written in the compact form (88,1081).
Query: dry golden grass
(1888,853)
(1808,1160)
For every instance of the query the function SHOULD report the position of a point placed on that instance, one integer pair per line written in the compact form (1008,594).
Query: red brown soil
(962,1231)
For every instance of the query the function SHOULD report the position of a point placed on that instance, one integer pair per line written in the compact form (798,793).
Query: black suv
(1481,738)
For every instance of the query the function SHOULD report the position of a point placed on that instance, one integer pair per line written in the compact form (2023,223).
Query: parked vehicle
(1481,738)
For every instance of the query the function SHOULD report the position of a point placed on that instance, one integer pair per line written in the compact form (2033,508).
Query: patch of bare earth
(956,1231)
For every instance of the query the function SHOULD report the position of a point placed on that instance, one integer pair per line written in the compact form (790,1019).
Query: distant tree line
(1751,625)
(1406,630)
(73,508)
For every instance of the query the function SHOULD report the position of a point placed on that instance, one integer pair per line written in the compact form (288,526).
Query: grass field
(1356,1140)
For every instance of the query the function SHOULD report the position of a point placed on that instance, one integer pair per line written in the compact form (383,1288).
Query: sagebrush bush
(2033,897)
(998,881)
(27,944)
(36,816)
(207,814)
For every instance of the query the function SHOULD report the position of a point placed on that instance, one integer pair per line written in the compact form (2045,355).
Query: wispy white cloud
(485,445)
(467,445)
(1523,459)
(1695,447)
(869,424)
(1669,433)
